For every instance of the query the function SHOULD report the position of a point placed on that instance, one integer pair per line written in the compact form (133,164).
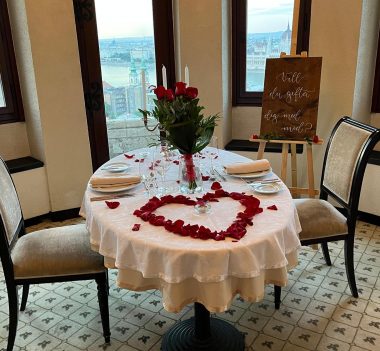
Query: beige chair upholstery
(341,161)
(9,206)
(55,252)
(319,219)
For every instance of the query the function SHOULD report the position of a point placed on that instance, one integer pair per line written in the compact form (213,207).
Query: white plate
(250,175)
(268,188)
(116,167)
(114,189)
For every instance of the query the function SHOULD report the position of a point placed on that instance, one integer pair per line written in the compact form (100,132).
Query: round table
(207,272)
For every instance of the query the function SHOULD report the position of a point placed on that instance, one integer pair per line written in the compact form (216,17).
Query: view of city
(127,49)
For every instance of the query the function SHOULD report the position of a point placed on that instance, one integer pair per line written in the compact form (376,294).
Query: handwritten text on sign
(290,98)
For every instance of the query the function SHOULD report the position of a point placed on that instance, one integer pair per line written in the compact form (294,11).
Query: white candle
(187,79)
(164,79)
(143,89)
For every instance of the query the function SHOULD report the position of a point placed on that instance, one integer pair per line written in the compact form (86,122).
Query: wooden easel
(294,189)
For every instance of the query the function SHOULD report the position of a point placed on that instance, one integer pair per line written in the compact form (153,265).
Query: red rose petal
(255,136)
(315,139)
(136,227)
(129,156)
(112,204)
(273,207)
(216,186)
(205,178)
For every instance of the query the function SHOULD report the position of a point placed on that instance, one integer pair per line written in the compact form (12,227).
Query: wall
(49,69)
(201,33)
(13,141)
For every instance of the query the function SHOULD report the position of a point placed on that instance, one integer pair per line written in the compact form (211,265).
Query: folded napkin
(247,167)
(113,182)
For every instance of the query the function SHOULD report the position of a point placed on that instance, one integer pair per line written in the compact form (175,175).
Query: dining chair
(346,157)
(44,256)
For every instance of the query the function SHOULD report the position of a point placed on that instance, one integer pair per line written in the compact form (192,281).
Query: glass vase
(190,176)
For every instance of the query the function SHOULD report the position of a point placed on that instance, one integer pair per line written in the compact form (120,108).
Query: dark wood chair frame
(13,283)
(350,208)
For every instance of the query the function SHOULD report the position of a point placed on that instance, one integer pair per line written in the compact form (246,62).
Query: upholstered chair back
(10,211)
(346,157)
(346,146)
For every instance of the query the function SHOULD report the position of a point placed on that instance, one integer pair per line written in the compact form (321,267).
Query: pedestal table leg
(203,333)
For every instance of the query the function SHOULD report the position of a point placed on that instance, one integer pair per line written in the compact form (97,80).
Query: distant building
(116,99)
(269,46)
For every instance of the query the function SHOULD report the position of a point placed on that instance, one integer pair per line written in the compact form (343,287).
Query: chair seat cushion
(55,252)
(319,219)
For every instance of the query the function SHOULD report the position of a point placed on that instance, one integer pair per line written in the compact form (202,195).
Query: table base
(202,333)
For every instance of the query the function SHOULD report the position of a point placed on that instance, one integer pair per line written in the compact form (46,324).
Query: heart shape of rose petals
(112,204)
(236,230)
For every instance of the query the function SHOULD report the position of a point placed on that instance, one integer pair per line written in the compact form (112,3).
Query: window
(261,30)
(10,96)
(117,40)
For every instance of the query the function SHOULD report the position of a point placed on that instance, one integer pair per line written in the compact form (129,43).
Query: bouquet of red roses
(181,117)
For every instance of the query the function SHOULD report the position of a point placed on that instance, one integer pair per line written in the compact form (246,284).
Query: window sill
(23,164)
(245,145)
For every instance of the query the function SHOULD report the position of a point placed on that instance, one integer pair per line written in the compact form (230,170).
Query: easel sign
(290,98)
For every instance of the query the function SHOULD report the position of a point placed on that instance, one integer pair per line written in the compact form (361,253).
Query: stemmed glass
(147,171)
(214,154)
(162,164)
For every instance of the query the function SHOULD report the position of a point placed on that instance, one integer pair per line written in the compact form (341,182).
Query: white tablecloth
(186,269)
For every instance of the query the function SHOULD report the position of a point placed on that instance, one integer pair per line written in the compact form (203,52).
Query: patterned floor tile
(296,301)
(366,340)
(305,338)
(345,316)
(278,329)
(143,339)
(340,331)
(370,324)
(288,315)
(330,344)
(312,322)
(266,342)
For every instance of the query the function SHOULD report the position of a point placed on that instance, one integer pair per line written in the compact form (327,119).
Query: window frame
(88,45)
(13,111)
(375,107)
(240,96)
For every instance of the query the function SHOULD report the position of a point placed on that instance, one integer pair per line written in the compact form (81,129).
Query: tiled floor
(317,312)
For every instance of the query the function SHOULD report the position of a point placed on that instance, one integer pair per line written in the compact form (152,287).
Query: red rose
(180,88)
(191,92)
(315,139)
(169,95)
(160,92)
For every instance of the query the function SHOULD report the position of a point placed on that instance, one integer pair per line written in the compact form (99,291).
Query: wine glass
(213,154)
(147,171)
(161,165)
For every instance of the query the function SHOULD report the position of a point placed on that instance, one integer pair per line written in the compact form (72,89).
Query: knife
(109,197)
(220,176)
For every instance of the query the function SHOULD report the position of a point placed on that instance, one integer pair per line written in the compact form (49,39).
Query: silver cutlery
(110,197)
(219,174)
